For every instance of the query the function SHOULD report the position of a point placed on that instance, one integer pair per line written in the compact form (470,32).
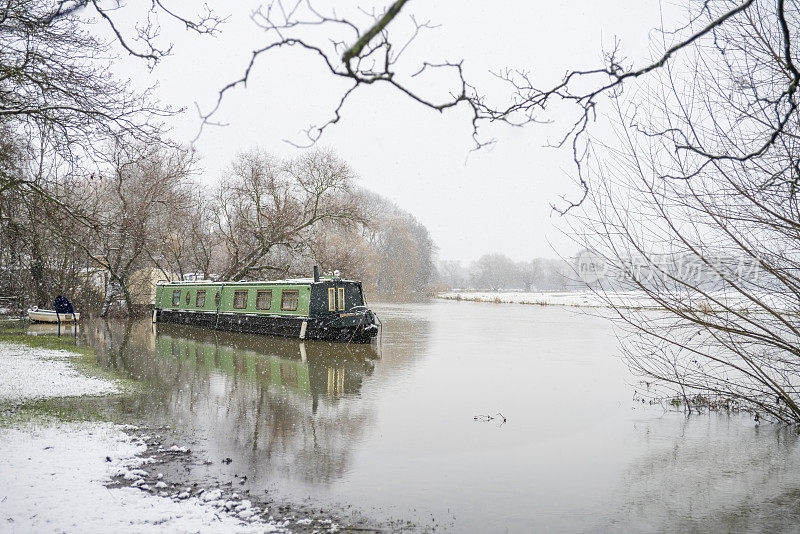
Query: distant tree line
(496,272)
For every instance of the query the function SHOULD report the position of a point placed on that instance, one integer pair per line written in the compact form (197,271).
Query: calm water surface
(390,428)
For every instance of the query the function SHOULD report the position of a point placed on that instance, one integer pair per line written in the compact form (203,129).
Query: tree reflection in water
(710,473)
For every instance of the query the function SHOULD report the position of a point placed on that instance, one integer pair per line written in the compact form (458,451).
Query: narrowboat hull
(348,328)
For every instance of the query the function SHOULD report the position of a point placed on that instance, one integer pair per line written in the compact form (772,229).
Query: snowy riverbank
(620,299)
(553,298)
(55,476)
(61,476)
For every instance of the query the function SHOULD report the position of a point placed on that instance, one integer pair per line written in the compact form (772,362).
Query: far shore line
(624,300)
(555,298)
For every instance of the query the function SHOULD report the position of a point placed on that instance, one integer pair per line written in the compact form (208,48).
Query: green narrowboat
(326,308)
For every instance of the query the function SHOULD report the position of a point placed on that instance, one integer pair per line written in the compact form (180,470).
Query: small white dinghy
(50,316)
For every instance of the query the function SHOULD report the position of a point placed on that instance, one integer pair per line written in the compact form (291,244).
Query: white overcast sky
(494,200)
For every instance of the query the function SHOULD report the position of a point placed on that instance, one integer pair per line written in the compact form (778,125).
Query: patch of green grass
(62,409)
(44,341)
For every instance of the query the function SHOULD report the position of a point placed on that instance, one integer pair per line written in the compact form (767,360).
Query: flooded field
(390,429)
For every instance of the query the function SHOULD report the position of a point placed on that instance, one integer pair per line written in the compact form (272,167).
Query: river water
(391,430)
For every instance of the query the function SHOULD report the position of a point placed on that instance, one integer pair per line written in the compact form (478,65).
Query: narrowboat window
(240,299)
(217,300)
(263,300)
(331,299)
(200,302)
(341,299)
(289,300)
(188,297)
(176,297)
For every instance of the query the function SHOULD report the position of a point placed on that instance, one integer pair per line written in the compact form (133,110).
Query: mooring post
(303,328)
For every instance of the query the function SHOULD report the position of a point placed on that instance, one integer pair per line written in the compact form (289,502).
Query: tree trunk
(128,300)
(37,275)
(113,292)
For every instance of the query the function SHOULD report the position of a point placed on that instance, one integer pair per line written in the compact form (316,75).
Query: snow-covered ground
(54,480)
(552,298)
(54,475)
(29,373)
(622,299)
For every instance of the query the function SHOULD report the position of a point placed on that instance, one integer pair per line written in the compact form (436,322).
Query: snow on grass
(713,302)
(54,479)
(554,298)
(28,373)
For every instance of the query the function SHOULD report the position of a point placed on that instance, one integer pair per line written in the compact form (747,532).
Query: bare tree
(38,261)
(698,210)
(184,240)
(360,57)
(265,205)
(530,272)
(126,204)
(60,108)
(387,249)
(56,92)
(343,249)
(495,272)
(401,254)
(453,275)
(404,256)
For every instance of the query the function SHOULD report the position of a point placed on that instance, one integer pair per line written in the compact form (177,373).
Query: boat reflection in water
(53,329)
(287,412)
(313,369)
